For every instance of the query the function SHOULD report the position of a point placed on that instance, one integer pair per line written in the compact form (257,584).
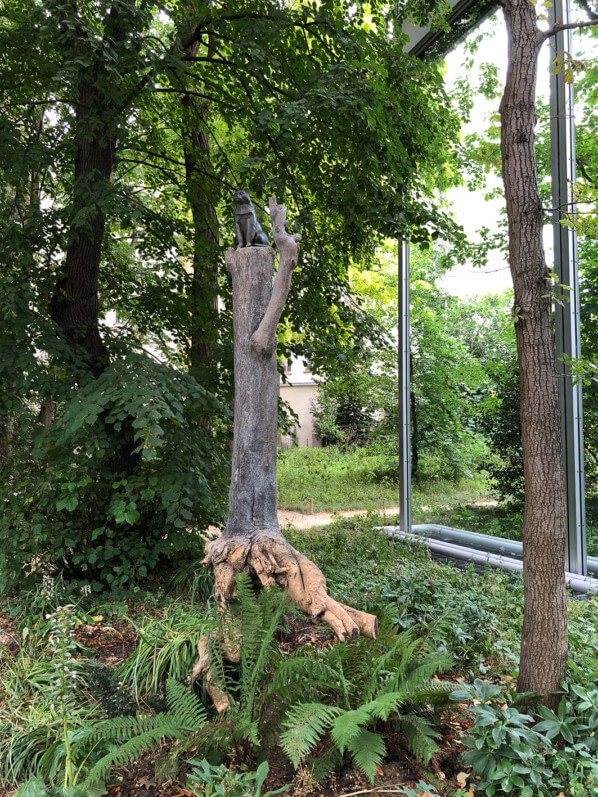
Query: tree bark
(75,306)
(252,541)
(203,197)
(544,642)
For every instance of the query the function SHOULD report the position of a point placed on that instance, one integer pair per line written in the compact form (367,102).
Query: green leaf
(367,749)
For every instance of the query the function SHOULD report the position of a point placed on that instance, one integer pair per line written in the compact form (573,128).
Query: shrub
(71,510)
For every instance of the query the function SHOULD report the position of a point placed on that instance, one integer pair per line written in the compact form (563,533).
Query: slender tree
(544,642)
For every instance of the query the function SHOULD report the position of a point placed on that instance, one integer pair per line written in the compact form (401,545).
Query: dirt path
(303,521)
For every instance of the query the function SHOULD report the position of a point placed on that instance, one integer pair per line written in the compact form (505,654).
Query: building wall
(299,392)
(299,397)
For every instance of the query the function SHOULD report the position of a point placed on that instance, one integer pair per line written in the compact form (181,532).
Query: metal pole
(567,324)
(404,391)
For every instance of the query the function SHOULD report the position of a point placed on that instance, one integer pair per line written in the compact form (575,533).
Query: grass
(475,621)
(361,478)
(365,479)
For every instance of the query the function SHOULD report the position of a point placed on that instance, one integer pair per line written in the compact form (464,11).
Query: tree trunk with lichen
(252,541)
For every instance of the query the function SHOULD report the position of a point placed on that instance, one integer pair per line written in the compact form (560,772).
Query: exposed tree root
(205,668)
(267,555)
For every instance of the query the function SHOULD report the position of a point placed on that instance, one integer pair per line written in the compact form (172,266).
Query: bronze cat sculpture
(248,231)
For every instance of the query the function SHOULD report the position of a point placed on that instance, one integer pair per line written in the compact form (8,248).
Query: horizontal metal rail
(493,558)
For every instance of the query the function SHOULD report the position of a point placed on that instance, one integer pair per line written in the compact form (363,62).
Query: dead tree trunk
(252,541)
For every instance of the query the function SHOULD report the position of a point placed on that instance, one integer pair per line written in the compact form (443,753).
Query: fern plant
(368,683)
(251,622)
(97,748)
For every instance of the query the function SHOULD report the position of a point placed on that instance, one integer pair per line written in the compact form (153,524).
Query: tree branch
(560,26)
(586,7)
(263,339)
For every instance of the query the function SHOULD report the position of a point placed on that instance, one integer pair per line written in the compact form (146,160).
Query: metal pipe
(483,542)
(470,539)
(573,580)
(566,311)
(404,390)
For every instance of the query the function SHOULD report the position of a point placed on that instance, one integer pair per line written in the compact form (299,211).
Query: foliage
(65,514)
(167,648)
(452,617)
(459,613)
(95,748)
(248,725)
(131,119)
(344,410)
(512,752)
(450,353)
(365,684)
(209,780)
(32,719)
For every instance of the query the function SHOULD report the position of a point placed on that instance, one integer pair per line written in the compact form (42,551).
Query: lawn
(366,480)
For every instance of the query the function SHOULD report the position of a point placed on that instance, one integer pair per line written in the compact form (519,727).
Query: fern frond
(322,767)
(385,704)
(302,671)
(305,724)
(259,650)
(117,729)
(434,692)
(134,748)
(217,671)
(368,750)
(251,620)
(348,725)
(420,736)
(215,735)
(184,705)
(425,668)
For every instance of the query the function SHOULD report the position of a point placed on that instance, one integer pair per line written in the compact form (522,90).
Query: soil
(303,521)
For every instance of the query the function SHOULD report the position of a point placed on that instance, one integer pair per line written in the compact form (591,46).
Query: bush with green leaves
(470,617)
(511,752)
(71,510)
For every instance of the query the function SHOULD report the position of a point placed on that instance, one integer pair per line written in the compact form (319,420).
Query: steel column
(404,391)
(567,323)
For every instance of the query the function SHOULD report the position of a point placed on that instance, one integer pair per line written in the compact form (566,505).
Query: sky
(469,208)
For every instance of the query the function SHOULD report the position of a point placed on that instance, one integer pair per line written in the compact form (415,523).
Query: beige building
(299,392)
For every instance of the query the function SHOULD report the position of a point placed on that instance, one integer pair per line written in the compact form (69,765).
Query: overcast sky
(470,208)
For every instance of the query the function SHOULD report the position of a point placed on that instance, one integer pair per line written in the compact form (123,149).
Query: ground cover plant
(328,718)
(333,716)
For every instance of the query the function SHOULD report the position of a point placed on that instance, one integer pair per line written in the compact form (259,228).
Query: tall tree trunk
(252,541)
(203,197)
(75,306)
(544,642)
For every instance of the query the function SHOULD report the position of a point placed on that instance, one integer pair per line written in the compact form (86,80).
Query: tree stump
(252,541)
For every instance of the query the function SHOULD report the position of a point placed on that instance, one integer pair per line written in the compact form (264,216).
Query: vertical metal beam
(567,325)
(404,391)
